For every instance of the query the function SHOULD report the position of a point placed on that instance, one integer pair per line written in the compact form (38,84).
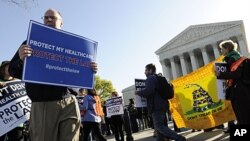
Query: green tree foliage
(104,87)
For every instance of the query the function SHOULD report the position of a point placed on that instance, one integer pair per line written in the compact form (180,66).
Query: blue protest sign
(59,57)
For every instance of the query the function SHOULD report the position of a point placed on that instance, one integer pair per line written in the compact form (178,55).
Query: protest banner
(59,57)
(114,106)
(196,104)
(140,101)
(221,83)
(15,106)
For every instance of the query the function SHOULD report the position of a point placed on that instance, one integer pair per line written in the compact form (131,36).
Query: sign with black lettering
(15,106)
(221,83)
(140,85)
(114,106)
(240,133)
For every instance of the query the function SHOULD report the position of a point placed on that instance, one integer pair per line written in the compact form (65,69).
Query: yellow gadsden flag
(196,104)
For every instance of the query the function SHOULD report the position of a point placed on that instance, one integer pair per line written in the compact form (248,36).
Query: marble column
(183,65)
(173,67)
(242,46)
(168,74)
(165,68)
(216,51)
(193,61)
(204,56)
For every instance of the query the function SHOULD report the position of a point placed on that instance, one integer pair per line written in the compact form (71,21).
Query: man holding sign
(55,114)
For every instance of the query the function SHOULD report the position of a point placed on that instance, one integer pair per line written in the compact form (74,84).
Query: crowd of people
(55,113)
(100,125)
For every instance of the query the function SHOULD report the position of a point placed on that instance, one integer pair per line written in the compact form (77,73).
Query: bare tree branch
(26,4)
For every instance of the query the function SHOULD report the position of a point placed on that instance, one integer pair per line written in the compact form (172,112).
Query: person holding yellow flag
(236,88)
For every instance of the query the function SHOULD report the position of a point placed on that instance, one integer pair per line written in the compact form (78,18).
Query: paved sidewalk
(215,135)
(147,135)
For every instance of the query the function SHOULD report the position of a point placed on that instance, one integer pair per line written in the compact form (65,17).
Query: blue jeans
(162,128)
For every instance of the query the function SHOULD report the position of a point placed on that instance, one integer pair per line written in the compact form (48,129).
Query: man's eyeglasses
(49,17)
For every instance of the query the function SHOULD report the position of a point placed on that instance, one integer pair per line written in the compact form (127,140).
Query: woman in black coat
(15,134)
(117,123)
(240,91)
(133,114)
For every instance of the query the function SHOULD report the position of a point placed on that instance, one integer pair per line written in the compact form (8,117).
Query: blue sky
(128,32)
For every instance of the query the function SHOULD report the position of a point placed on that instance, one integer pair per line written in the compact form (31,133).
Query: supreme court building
(195,47)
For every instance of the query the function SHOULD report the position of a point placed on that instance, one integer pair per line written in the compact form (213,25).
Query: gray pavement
(215,135)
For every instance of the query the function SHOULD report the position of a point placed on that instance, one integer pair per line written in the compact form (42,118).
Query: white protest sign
(140,101)
(114,106)
(221,83)
(15,106)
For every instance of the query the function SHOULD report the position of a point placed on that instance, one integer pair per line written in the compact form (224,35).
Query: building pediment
(130,88)
(196,32)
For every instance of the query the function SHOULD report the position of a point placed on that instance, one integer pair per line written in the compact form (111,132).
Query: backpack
(164,88)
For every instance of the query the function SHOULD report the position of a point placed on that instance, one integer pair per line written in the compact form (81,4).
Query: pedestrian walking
(157,106)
